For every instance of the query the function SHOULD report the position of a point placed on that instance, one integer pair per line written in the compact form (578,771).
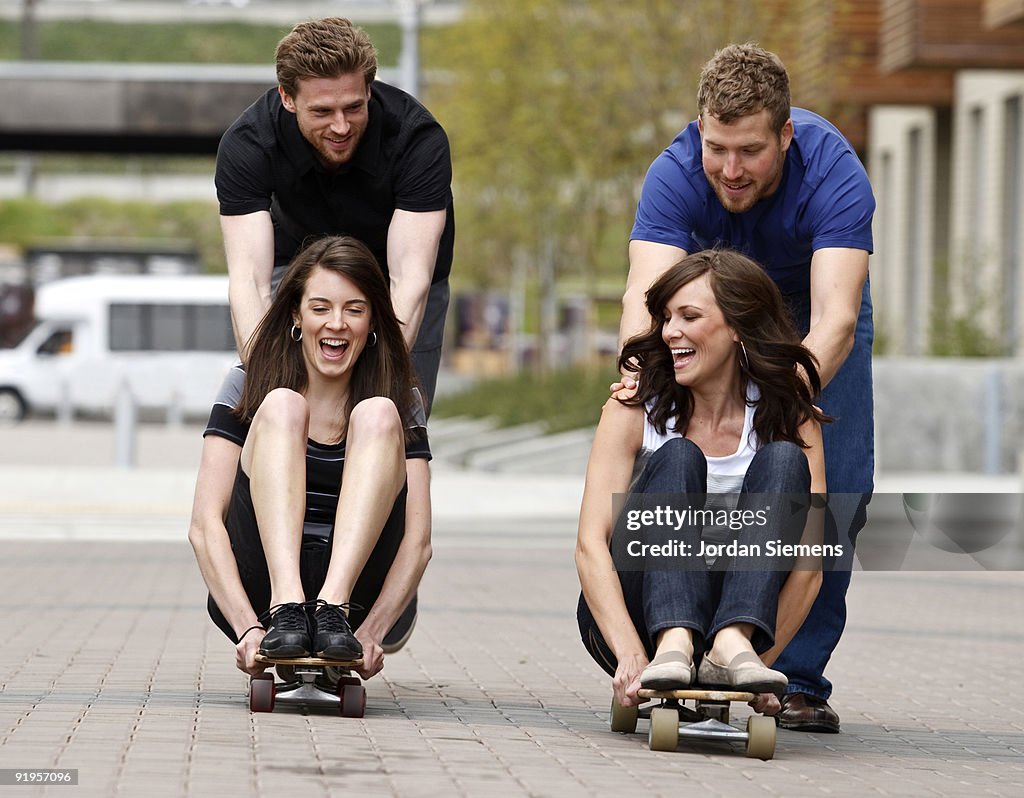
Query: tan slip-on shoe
(759,679)
(670,670)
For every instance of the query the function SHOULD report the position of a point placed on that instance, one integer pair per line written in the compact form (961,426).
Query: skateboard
(299,687)
(708,719)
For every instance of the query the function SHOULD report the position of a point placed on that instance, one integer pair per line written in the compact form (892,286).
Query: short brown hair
(324,48)
(742,79)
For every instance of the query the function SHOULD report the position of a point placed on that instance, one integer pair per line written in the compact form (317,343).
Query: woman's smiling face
(334,316)
(703,345)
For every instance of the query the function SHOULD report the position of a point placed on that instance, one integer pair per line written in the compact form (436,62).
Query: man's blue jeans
(849,474)
(698,599)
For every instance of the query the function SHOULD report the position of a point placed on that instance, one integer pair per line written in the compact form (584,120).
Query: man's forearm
(413,242)
(647,262)
(635,319)
(837,283)
(249,251)
(830,341)
(409,297)
(248,304)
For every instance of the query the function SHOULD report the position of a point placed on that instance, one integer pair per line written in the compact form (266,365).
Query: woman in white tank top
(723,411)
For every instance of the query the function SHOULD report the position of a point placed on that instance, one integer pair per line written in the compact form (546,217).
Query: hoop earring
(372,343)
(294,328)
(744,361)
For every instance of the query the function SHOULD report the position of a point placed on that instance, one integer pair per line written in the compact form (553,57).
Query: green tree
(555,110)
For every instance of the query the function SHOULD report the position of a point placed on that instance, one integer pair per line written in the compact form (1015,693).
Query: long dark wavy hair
(754,308)
(275,360)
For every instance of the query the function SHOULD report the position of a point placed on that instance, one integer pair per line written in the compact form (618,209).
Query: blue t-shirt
(823,200)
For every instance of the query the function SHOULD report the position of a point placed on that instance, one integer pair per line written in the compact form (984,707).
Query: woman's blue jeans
(700,599)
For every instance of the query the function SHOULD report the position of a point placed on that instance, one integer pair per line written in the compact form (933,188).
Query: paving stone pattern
(110,665)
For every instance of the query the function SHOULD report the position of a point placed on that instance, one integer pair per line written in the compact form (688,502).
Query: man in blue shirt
(783,186)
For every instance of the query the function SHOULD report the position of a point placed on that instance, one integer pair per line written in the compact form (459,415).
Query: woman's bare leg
(373,477)
(732,640)
(274,458)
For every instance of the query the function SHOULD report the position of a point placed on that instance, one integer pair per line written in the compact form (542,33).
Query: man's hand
(246,650)
(373,654)
(624,389)
(627,680)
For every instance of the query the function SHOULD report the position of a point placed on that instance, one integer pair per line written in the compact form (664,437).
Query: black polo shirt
(403,162)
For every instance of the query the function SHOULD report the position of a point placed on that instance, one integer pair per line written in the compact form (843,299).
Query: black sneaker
(334,638)
(288,633)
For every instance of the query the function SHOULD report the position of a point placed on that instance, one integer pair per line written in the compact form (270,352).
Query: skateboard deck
(708,719)
(302,688)
(319,662)
(699,694)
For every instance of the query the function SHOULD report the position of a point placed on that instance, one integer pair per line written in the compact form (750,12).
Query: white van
(168,338)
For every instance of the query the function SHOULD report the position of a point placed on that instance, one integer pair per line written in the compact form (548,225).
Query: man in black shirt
(330,151)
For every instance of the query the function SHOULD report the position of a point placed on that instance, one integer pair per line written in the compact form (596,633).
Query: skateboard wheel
(261,693)
(623,719)
(353,700)
(760,737)
(664,732)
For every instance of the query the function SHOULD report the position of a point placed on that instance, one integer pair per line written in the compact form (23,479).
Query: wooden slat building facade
(930,94)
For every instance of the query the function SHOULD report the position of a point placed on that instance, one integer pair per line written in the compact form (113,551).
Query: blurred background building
(930,92)
(111,110)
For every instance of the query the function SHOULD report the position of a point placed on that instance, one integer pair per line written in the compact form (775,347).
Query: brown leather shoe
(802,712)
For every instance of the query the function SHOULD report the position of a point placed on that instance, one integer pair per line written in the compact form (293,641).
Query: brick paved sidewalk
(109,665)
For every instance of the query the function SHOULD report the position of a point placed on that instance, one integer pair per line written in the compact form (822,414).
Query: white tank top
(726,473)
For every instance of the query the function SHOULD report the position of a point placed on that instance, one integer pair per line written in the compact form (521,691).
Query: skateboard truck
(302,688)
(708,719)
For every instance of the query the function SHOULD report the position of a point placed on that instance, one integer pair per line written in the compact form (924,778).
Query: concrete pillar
(125,427)
(409,60)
